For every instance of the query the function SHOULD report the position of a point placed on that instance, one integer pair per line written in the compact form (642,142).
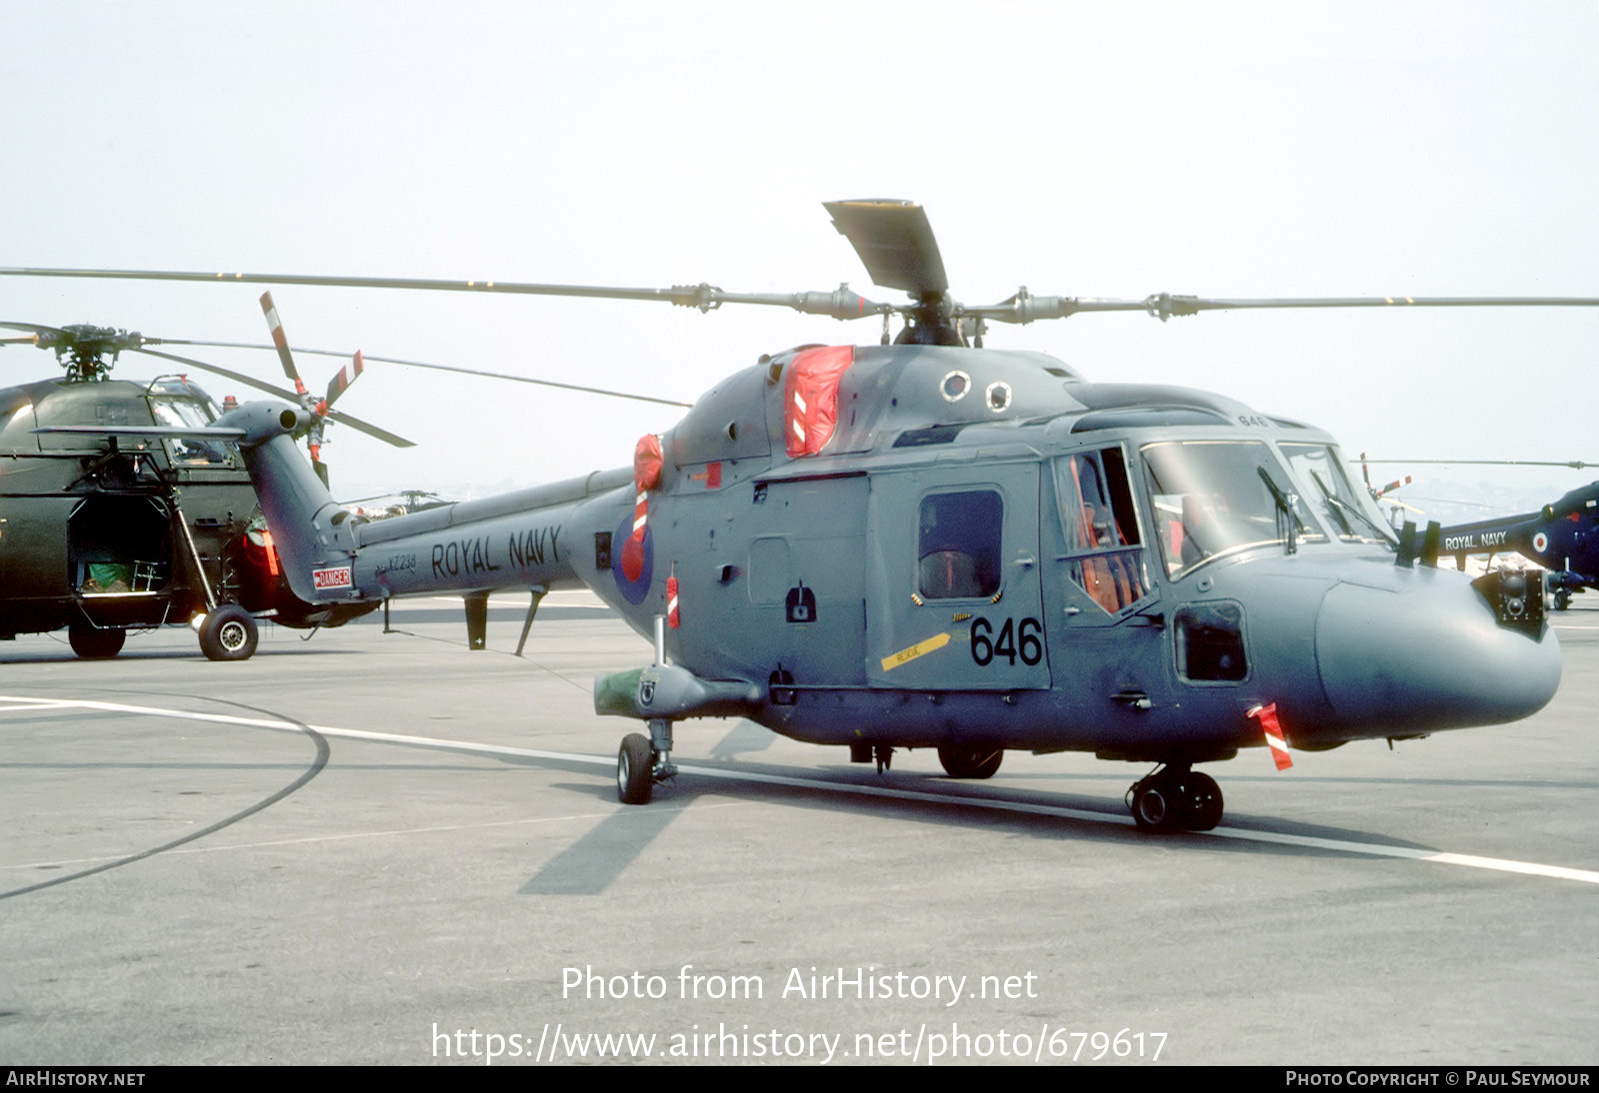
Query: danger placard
(333,577)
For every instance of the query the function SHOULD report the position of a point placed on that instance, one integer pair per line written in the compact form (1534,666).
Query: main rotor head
(81,349)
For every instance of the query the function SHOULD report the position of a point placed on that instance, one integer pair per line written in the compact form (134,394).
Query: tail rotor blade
(345,376)
(281,341)
(1394,485)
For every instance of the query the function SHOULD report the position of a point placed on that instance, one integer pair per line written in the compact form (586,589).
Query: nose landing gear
(643,761)
(1175,798)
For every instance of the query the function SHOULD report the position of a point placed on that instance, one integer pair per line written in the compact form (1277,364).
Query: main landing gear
(228,633)
(970,760)
(1176,798)
(644,761)
(92,643)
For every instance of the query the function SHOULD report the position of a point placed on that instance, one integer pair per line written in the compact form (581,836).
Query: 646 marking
(1013,641)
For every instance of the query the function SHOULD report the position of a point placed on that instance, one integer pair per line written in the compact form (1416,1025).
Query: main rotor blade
(918,273)
(839,304)
(895,243)
(1026,308)
(35,328)
(442,368)
(1573,464)
(1187,305)
(176,432)
(236,377)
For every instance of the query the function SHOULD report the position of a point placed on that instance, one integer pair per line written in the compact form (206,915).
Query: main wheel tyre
(635,770)
(970,760)
(1155,805)
(228,633)
(93,644)
(1202,803)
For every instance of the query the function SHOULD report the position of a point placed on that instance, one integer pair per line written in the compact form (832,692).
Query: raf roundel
(634,565)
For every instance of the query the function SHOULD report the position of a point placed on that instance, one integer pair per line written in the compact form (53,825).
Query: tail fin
(311,530)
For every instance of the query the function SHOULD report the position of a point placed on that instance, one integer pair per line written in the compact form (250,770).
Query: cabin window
(1105,556)
(1210,643)
(958,545)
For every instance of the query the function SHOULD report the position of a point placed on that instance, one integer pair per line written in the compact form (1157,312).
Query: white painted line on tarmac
(346,836)
(1383,850)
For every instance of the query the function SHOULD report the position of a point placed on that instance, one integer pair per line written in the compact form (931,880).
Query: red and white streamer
(1267,715)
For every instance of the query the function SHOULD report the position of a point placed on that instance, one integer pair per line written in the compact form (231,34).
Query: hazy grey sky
(1224,149)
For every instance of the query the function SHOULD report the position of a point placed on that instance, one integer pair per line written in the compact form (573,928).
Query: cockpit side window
(189,451)
(1347,511)
(1101,527)
(958,545)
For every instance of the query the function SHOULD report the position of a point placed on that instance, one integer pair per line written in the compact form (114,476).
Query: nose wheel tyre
(1172,800)
(1202,803)
(635,770)
(1154,805)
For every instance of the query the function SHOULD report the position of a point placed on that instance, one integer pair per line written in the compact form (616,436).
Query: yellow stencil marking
(921,648)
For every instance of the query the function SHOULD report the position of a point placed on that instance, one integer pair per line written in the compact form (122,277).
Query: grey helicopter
(926,543)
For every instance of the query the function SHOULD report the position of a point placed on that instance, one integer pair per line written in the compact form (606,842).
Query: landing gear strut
(1175,798)
(644,761)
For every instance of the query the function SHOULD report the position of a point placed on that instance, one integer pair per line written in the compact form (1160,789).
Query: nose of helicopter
(1433,657)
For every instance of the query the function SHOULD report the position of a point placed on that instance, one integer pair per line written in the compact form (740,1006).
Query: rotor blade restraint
(810,403)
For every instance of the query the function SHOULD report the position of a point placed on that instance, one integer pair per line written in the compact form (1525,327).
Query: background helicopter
(929,544)
(1562,537)
(103,540)
(163,529)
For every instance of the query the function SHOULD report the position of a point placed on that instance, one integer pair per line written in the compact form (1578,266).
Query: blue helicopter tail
(312,532)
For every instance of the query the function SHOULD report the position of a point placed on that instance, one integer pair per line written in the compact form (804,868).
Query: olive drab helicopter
(102,538)
(933,544)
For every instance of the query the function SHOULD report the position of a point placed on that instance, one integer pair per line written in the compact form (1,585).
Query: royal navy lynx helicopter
(1562,537)
(933,544)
